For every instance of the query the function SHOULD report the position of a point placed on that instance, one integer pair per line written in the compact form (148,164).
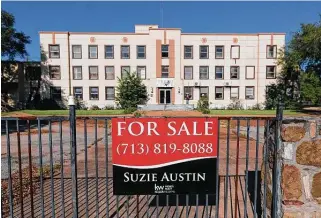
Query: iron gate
(62,167)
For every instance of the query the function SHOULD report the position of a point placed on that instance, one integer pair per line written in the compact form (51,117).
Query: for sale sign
(164,155)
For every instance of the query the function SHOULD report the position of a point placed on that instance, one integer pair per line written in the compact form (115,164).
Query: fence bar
(30,169)
(157,203)
(147,212)
(127,206)
(265,161)
(9,169)
(246,188)
(106,157)
(176,210)
(218,170)
(62,182)
(41,170)
(227,168)
(86,166)
(51,172)
(167,208)
(237,168)
(256,165)
(187,203)
(117,206)
(20,168)
(96,167)
(73,151)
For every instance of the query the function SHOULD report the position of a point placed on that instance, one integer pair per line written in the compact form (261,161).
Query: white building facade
(172,64)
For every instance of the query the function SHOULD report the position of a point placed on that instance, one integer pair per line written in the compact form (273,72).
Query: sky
(214,17)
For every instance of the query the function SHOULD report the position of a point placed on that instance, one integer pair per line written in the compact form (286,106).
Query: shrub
(109,107)
(80,104)
(138,114)
(206,111)
(202,104)
(94,107)
(256,107)
(49,104)
(129,110)
(235,105)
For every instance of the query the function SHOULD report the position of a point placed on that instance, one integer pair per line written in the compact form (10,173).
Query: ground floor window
(249,92)
(188,90)
(204,91)
(219,93)
(93,93)
(234,93)
(55,92)
(78,93)
(110,93)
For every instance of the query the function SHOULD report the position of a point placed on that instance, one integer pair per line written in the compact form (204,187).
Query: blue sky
(228,17)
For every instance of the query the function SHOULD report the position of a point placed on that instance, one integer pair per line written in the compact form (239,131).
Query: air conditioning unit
(227,84)
(196,84)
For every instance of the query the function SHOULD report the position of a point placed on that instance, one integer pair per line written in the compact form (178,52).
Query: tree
(131,91)
(13,42)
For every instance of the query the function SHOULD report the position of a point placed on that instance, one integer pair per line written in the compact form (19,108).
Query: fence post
(73,152)
(277,203)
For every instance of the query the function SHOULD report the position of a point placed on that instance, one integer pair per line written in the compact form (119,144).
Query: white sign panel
(165,82)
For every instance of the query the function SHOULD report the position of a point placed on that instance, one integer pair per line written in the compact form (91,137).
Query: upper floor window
(188,90)
(93,51)
(141,51)
(234,94)
(77,72)
(219,72)
(203,51)
(76,52)
(78,93)
(204,91)
(203,72)
(250,72)
(271,51)
(219,52)
(93,93)
(110,93)
(235,52)
(109,51)
(54,72)
(109,72)
(188,72)
(93,72)
(54,51)
(165,71)
(270,72)
(124,71)
(249,92)
(55,92)
(165,51)
(235,72)
(125,51)
(141,72)
(188,52)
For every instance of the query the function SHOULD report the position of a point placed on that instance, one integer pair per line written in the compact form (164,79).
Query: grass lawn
(251,112)
(65,112)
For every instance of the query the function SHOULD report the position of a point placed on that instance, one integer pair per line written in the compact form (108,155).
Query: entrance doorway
(165,96)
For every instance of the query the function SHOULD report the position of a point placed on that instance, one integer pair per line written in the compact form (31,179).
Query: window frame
(208,51)
(192,92)
(239,55)
(246,77)
(113,72)
(91,87)
(97,72)
(253,87)
(238,92)
(89,46)
(51,92)
(238,72)
(192,72)
(112,46)
(266,72)
(276,51)
(208,91)
(106,87)
(138,52)
(73,72)
(121,70)
(49,46)
(82,92)
(167,66)
(141,66)
(165,51)
(222,72)
(51,66)
(222,52)
(216,87)
(192,51)
(72,49)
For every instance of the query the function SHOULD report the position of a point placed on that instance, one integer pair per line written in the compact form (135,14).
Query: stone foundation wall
(300,156)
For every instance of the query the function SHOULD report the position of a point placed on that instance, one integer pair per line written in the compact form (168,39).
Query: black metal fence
(62,167)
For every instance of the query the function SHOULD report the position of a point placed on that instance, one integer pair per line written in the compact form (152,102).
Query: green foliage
(311,87)
(49,104)
(138,114)
(206,111)
(131,91)
(203,105)
(80,104)
(13,42)
(109,107)
(235,105)
(129,110)
(257,106)
(94,108)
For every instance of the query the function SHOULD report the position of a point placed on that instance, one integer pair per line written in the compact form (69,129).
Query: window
(124,71)
(219,52)
(234,94)
(93,51)
(165,71)
(219,72)
(204,91)
(110,93)
(55,92)
(54,51)
(93,93)
(109,51)
(77,72)
(188,90)
(271,51)
(164,51)
(188,72)
(249,92)
(93,72)
(125,52)
(141,72)
(109,72)
(203,72)
(188,52)
(219,93)
(78,93)
(235,71)
(235,52)
(76,52)
(250,72)
(270,72)
(141,51)
(54,72)
(203,51)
